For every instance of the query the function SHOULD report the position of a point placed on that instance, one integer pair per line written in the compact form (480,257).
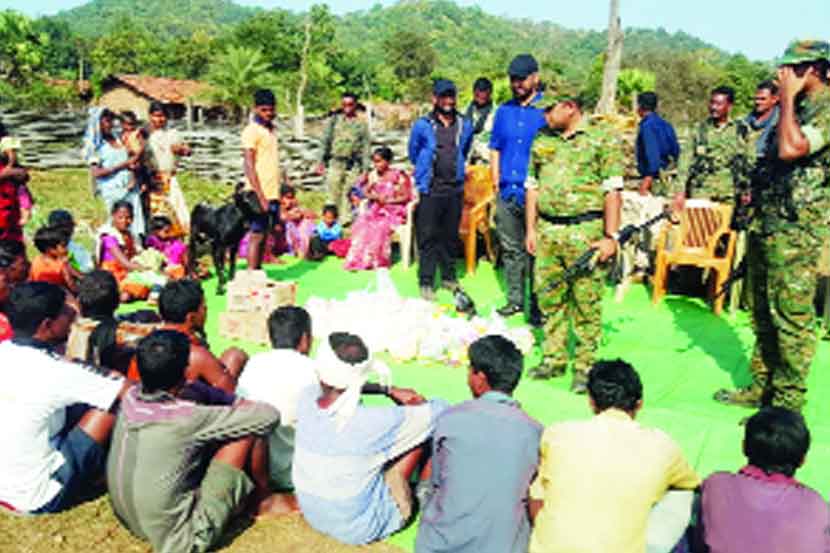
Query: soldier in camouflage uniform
(721,157)
(346,151)
(792,223)
(576,180)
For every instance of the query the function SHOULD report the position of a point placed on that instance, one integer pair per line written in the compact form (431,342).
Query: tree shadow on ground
(713,335)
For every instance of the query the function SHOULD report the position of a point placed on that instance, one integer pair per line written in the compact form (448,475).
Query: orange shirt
(48,269)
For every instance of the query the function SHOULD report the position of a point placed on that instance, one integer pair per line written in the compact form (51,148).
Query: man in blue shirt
(657,147)
(438,148)
(514,129)
(485,453)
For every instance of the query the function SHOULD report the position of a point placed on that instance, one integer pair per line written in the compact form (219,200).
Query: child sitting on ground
(52,265)
(328,232)
(175,251)
(118,253)
(298,222)
(79,256)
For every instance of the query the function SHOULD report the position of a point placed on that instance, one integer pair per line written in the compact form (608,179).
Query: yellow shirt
(267,155)
(599,480)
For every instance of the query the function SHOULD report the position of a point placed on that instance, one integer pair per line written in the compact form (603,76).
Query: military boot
(579,384)
(751,396)
(546,369)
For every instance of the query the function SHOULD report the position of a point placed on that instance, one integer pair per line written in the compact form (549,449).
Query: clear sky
(760,29)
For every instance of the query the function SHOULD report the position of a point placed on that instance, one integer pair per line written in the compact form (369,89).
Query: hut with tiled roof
(135,93)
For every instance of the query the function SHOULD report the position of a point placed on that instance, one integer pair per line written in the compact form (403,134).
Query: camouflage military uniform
(719,161)
(571,174)
(792,223)
(346,145)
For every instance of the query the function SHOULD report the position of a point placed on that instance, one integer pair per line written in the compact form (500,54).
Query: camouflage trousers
(783,276)
(573,310)
(340,178)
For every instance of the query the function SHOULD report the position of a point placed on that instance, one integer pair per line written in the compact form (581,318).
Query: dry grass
(92,526)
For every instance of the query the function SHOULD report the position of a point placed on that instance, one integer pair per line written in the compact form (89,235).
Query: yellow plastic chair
(702,239)
(479,202)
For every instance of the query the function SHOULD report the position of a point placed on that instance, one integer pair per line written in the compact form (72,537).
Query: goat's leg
(219,263)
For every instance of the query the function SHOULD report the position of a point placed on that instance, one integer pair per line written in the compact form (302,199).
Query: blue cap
(444,87)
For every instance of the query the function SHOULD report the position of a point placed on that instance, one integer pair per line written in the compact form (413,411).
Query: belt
(572,219)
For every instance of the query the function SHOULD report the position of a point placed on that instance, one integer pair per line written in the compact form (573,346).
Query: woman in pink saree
(388,191)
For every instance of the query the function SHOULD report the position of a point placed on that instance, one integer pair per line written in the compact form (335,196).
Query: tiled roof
(168,91)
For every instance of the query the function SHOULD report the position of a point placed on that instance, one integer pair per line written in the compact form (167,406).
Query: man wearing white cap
(352,463)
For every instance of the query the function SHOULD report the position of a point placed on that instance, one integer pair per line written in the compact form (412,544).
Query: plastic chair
(404,233)
(479,201)
(702,239)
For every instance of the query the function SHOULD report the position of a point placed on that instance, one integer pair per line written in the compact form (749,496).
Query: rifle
(586,262)
(737,274)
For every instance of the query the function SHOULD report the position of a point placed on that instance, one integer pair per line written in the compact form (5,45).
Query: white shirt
(32,414)
(161,143)
(278,377)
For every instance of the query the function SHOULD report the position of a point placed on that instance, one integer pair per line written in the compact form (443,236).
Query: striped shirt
(339,476)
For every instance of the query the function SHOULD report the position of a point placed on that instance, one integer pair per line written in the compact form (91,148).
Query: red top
(9,210)
(6,332)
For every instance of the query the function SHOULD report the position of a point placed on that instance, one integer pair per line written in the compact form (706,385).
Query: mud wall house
(184,99)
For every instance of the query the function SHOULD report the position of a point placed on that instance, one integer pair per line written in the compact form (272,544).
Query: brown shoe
(745,397)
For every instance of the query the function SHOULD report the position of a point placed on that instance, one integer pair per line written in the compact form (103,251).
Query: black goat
(222,228)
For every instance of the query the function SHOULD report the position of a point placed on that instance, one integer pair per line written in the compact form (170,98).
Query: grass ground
(682,351)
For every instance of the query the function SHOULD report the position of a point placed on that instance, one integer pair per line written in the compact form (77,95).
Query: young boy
(762,508)
(79,256)
(278,377)
(52,265)
(478,502)
(327,231)
(157,484)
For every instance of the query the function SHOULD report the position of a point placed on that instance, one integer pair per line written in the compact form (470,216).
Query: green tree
(22,48)
(413,61)
(60,55)
(236,75)
(632,82)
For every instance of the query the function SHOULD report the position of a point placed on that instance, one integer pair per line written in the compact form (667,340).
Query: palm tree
(235,75)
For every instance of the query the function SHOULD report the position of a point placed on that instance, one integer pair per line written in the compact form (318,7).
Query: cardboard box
(248,327)
(253,291)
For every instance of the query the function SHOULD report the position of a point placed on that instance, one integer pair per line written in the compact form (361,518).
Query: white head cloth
(334,372)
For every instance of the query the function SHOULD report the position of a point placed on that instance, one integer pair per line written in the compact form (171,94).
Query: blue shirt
(485,454)
(657,145)
(339,475)
(328,233)
(514,129)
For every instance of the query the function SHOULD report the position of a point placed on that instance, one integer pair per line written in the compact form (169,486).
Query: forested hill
(468,38)
(179,17)
(392,52)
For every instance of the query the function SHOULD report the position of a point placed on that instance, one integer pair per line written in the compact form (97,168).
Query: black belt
(572,219)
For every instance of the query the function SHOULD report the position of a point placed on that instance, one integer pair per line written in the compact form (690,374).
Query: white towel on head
(334,372)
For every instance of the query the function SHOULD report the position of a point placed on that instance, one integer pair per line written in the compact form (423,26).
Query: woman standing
(166,145)
(111,165)
(388,191)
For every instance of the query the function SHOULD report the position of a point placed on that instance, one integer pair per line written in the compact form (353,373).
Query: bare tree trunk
(613,58)
(299,117)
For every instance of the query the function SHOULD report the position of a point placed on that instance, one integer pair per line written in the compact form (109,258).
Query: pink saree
(372,231)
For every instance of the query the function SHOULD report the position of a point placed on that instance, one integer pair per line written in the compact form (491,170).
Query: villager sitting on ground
(50,458)
(388,191)
(6,332)
(762,508)
(13,261)
(118,250)
(328,234)
(99,337)
(182,307)
(298,222)
(79,256)
(278,377)
(52,265)
(176,505)
(352,463)
(477,493)
(582,501)
(161,238)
